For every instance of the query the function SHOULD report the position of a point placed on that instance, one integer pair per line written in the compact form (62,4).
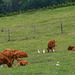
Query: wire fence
(31,32)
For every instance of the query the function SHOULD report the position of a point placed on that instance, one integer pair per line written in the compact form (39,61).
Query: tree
(8,6)
(1,6)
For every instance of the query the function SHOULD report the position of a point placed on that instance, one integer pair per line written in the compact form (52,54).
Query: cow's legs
(51,49)
(55,48)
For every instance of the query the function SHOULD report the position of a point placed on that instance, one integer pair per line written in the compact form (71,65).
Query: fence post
(8,35)
(61,29)
(35,31)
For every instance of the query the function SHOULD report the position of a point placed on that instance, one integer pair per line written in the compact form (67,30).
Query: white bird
(44,51)
(53,50)
(57,64)
(1,66)
(38,51)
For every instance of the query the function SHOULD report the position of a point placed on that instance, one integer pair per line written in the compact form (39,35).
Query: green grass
(48,27)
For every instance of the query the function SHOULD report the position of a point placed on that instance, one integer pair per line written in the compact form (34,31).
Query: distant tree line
(10,6)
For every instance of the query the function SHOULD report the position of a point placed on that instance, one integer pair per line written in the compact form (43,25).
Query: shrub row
(40,9)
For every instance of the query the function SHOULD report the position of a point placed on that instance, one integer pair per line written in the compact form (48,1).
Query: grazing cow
(22,62)
(52,44)
(10,54)
(72,48)
(5,60)
(14,54)
(20,54)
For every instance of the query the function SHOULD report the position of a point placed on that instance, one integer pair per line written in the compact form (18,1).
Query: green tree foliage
(9,6)
(1,5)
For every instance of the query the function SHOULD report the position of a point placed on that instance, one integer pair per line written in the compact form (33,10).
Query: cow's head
(23,64)
(69,48)
(26,55)
(9,64)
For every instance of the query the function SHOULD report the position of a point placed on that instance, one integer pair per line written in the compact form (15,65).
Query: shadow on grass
(40,61)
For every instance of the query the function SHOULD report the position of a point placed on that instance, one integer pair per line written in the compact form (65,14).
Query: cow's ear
(16,56)
(16,53)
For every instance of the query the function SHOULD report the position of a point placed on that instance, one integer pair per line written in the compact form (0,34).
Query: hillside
(48,27)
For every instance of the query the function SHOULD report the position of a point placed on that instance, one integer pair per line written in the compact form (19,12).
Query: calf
(22,62)
(5,60)
(10,54)
(52,44)
(72,48)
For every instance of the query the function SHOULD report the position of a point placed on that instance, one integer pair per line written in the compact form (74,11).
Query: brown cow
(72,48)
(52,44)
(20,54)
(5,60)
(22,62)
(10,54)
(14,54)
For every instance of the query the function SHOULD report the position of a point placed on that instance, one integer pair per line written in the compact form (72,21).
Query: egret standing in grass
(57,63)
(38,51)
(44,51)
(53,50)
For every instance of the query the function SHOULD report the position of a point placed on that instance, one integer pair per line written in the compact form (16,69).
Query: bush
(73,3)
(39,9)
(54,6)
(47,7)
(59,5)
(51,7)
(34,10)
(15,13)
(2,15)
(9,14)
(23,11)
(44,8)
(20,12)
(29,10)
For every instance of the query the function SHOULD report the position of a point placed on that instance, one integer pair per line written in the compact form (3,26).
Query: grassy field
(48,27)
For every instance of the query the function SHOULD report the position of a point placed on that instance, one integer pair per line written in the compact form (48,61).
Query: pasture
(48,27)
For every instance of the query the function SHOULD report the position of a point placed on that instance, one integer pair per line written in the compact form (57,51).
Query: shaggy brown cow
(72,48)
(10,54)
(22,62)
(5,60)
(52,44)
(20,54)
